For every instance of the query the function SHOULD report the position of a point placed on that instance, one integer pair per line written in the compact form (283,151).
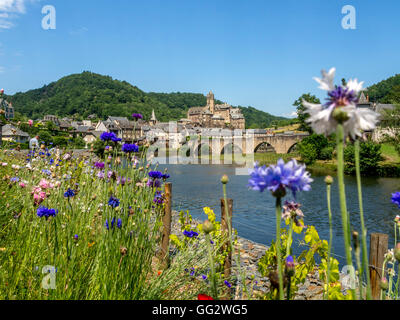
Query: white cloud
(10,9)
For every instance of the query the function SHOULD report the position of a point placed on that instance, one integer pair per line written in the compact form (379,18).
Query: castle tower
(211,102)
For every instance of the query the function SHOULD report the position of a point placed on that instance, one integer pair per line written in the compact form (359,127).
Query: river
(197,186)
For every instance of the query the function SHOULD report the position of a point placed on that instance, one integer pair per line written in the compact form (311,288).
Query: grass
(389,153)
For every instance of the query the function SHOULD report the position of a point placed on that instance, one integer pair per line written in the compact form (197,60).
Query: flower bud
(384,284)
(328,180)
(355,239)
(208,227)
(339,115)
(290,268)
(397,252)
(224,179)
(123,251)
(280,192)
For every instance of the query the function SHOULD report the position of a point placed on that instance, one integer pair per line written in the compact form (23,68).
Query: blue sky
(258,52)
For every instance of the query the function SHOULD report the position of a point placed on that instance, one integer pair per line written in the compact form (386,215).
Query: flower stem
(211,260)
(278,245)
(363,230)
(328,198)
(342,194)
(288,288)
(289,239)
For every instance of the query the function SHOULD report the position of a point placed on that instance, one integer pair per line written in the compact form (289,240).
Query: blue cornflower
(45,171)
(155,174)
(76,237)
(113,202)
(282,176)
(51,161)
(128,148)
(46,212)
(193,272)
(112,223)
(69,193)
(227,284)
(190,234)
(158,198)
(396,198)
(15,179)
(107,136)
(137,116)
(165,176)
(204,277)
(119,224)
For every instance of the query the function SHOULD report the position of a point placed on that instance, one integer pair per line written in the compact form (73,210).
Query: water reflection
(196,186)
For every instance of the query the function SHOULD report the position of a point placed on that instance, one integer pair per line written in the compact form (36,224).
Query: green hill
(386,91)
(81,95)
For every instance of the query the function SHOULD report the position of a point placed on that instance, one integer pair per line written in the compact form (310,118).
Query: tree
(301,109)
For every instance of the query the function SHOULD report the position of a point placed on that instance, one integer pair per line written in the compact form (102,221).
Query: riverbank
(250,254)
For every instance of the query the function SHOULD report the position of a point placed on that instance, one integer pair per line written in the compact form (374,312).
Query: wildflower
(158,198)
(290,266)
(121,181)
(154,183)
(155,175)
(192,272)
(165,176)
(45,184)
(112,223)
(113,202)
(22,185)
(384,284)
(227,284)
(101,174)
(137,116)
(396,198)
(341,107)
(99,165)
(107,136)
(277,178)
(14,180)
(46,212)
(76,237)
(204,297)
(129,148)
(292,210)
(119,224)
(190,234)
(204,277)
(69,193)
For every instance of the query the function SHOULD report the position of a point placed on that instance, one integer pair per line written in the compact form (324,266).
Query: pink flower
(22,185)
(30,122)
(46,184)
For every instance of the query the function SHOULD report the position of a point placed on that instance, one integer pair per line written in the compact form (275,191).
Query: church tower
(153,120)
(211,102)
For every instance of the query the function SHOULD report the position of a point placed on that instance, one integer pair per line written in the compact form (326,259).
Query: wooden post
(167,217)
(378,249)
(225,229)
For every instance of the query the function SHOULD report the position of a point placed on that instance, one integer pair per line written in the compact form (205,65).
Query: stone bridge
(247,143)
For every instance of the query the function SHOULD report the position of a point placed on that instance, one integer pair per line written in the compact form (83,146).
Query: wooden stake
(378,249)
(225,230)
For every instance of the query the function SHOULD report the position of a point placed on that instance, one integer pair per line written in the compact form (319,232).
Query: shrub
(308,152)
(370,156)
(326,153)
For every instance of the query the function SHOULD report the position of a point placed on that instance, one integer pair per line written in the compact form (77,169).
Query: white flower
(345,98)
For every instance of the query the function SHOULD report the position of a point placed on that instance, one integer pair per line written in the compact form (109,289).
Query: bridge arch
(231,148)
(269,148)
(293,148)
